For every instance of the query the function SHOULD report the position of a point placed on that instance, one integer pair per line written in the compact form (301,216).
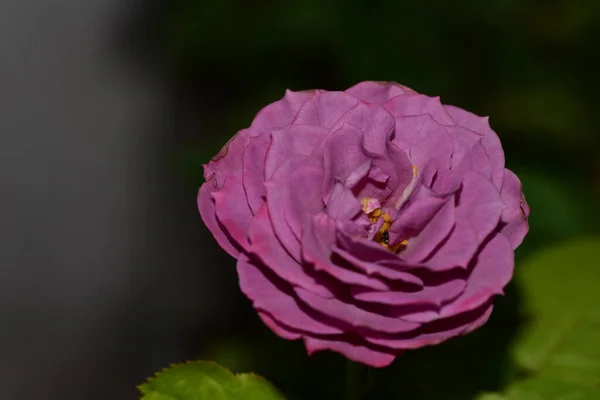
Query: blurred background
(109,108)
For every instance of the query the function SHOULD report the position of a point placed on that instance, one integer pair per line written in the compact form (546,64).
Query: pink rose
(368,221)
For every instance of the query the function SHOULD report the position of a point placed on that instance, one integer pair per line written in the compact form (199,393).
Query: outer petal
(253,171)
(206,206)
(457,250)
(289,142)
(446,181)
(480,204)
(435,295)
(232,209)
(490,141)
(418,104)
(267,248)
(273,116)
(280,113)
(469,153)
(325,108)
(492,271)
(282,331)
(375,123)
(437,331)
(228,160)
(294,191)
(377,92)
(357,352)
(354,316)
(278,301)
(422,138)
(515,216)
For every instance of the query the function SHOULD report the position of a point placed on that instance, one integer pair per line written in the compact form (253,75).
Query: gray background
(107,272)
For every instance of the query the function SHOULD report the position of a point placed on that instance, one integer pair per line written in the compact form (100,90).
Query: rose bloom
(368,221)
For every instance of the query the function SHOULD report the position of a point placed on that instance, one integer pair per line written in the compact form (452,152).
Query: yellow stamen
(382,236)
(375,215)
(398,246)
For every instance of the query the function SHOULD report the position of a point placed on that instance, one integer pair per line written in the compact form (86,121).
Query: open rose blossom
(368,221)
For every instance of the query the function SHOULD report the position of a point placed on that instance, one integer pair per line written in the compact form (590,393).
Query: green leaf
(559,347)
(199,380)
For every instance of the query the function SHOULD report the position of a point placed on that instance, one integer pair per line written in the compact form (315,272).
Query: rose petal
(376,184)
(364,249)
(325,108)
(403,170)
(495,153)
(480,204)
(492,271)
(421,246)
(317,241)
(267,248)
(469,153)
(490,140)
(374,228)
(342,204)
(422,138)
(515,216)
(408,179)
(342,156)
(375,123)
(206,206)
(431,295)
(253,171)
(279,301)
(420,209)
(294,190)
(279,113)
(278,328)
(353,315)
(228,160)
(435,332)
(457,250)
(288,142)
(377,92)
(356,352)
(371,268)
(358,174)
(441,180)
(232,209)
(479,321)
(418,104)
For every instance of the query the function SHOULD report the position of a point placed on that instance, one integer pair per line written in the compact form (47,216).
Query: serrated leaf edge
(143,387)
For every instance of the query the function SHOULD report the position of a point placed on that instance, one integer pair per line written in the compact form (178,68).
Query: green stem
(359,379)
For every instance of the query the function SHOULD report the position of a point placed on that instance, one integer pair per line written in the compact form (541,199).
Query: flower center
(372,208)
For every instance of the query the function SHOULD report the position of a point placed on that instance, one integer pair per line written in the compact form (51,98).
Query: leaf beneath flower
(199,380)
(559,347)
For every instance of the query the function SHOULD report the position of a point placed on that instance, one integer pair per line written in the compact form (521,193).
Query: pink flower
(367,222)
